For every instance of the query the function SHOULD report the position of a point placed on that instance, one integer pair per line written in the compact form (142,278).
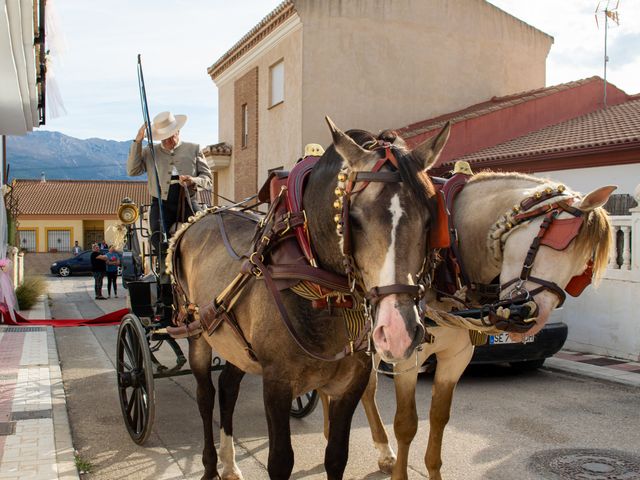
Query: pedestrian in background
(98,267)
(76,248)
(113,262)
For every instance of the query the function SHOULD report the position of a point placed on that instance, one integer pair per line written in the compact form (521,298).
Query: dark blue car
(77,265)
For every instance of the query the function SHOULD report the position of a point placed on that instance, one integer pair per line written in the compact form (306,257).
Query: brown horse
(495,239)
(388,220)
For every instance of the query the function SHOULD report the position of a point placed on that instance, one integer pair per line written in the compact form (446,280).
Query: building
(566,133)
(22,66)
(563,131)
(53,214)
(366,65)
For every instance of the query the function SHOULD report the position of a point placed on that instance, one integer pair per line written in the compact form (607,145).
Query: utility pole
(609,13)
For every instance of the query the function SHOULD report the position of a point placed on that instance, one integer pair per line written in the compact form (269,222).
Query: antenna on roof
(609,13)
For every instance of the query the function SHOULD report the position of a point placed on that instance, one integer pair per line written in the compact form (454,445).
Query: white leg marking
(387,457)
(230,470)
(388,271)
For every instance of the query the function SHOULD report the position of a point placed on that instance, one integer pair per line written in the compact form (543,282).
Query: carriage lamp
(128,211)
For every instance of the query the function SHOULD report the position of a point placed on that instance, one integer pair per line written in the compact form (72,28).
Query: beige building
(54,214)
(366,64)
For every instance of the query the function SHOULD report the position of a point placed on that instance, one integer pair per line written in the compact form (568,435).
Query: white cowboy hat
(166,124)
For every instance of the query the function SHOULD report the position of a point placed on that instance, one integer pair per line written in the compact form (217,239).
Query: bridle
(345,192)
(556,233)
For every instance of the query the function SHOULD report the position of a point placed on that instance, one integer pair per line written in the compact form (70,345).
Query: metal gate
(27,239)
(59,240)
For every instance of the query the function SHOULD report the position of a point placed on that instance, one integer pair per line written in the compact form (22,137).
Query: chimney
(43,178)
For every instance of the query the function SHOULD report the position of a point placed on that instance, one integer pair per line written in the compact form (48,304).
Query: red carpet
(112,318)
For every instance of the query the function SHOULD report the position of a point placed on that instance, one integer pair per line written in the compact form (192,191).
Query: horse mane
(485,175)
(596,228)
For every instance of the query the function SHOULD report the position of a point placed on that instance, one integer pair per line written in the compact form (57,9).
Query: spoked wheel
(135,378)
(304,404)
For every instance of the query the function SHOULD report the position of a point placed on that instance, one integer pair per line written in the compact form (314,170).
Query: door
(91,237)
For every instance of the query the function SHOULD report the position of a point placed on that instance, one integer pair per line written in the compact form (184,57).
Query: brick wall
(245,162)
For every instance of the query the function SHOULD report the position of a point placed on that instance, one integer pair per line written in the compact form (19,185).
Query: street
(500,420)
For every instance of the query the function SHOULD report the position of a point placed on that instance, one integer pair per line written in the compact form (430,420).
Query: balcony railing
(624,259)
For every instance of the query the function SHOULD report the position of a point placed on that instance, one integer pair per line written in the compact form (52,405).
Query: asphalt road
(501,423)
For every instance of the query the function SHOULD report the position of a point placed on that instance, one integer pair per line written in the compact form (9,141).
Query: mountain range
(61,157)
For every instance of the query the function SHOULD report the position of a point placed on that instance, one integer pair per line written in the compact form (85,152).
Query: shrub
(28,293)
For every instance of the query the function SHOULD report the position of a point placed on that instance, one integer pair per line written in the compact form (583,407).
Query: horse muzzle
(397,330)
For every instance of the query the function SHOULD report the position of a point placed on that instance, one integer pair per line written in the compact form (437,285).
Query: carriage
(143,331)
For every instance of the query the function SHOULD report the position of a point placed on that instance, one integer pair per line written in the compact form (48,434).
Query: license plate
(505,338)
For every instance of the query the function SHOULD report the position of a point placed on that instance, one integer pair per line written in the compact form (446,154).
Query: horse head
(551,241)
(377,231)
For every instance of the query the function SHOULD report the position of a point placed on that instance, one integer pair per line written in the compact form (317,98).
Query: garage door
(27,240)
(59,240)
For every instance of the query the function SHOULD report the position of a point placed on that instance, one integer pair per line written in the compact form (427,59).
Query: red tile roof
(267,25)
(492,105)
(76,197)
(82,197)
(612,128)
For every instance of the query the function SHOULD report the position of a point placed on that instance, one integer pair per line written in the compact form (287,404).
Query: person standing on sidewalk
(98,267)
(113,262)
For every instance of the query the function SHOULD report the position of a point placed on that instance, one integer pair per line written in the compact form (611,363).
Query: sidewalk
(35,437)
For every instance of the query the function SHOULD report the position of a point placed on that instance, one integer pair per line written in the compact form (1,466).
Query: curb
(594,371)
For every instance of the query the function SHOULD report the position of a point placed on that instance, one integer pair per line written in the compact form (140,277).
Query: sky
(94,57)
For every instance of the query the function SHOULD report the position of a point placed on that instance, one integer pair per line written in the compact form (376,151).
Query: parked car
(520,356)
(77,265)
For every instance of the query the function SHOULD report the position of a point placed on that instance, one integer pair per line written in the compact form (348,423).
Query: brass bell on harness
(548,190)
(516,208)
(508,226)
(339,192)
(561,188)
(337,218)
(342,177)
(337,204)
(537,195)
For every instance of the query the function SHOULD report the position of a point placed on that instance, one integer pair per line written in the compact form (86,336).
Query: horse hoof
(386,464)
(235,474)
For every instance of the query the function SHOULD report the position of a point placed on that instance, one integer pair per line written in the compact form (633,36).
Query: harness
(282,256)
(450,275)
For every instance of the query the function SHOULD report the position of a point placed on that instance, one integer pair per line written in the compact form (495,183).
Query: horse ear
(596,199)
(430,149)
(349,150)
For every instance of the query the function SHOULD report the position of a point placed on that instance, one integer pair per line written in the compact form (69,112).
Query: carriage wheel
(135,378)
(304,404)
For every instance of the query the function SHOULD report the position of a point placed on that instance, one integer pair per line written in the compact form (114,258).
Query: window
(276,76)
(28,239)
(245,125)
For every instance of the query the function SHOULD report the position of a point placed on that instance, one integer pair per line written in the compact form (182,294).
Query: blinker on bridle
(555,233)
(345,191)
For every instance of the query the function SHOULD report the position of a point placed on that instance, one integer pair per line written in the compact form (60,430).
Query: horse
(375,233)
(502,221)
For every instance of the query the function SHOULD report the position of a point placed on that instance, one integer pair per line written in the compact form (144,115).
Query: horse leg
(324,398)
(448,371)
(228,386)
(200,355)
(277,404)
(341,410)
(387,457)
(405,422)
